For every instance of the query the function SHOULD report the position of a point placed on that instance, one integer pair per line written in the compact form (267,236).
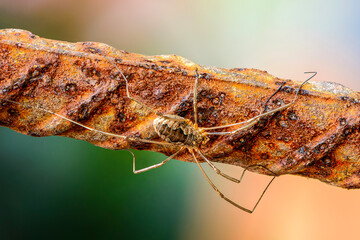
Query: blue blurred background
(60,188)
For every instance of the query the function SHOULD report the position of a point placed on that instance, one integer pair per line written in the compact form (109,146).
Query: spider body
(178,130)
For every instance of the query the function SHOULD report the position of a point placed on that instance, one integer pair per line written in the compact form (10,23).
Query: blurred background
(61,188)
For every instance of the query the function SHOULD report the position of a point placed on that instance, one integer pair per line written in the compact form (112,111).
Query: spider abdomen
(175,129)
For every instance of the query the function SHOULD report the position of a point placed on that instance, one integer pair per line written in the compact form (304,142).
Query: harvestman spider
(184,134)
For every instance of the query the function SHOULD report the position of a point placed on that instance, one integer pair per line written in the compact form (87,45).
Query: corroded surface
(318,137)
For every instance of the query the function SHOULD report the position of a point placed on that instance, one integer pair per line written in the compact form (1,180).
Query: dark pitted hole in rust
(93,50)
(237,69)
(320,148)
(165,61)
(207,115)
(355,101)
(57,90)
(95,98)
(83,112)
(121,116)
(78,63)
(242,143)
(278,102)
(205,75)
(303,150)
(7,89)
(184,108)
(342,121)
(287,89)
(348,131)
(216,101)
(328,162)
(282,123)
(13,112)
(129,76)
(344,98)
(292,116)
(271,145)
(286,139)
(262,122)
(70,88)
(304,92)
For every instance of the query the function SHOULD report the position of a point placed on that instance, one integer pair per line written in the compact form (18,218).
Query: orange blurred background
(69,189)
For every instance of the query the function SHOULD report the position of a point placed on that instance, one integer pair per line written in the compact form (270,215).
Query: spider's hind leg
(230,178)
(218,171)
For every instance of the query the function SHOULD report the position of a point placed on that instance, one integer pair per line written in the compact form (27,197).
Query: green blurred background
(60,188)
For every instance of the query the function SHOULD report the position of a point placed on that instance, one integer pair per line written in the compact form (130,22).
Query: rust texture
(317,137)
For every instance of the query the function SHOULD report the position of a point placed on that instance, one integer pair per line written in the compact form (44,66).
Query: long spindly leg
(175,118)
(267,186)
(216,189)
(252,121)
(259,166)
(218,171)
(127,85)
(195,99)
(87,127)
(153,166)
(222,195)
(249,123)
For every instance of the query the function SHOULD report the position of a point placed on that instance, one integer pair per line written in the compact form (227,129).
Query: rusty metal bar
(317,137)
